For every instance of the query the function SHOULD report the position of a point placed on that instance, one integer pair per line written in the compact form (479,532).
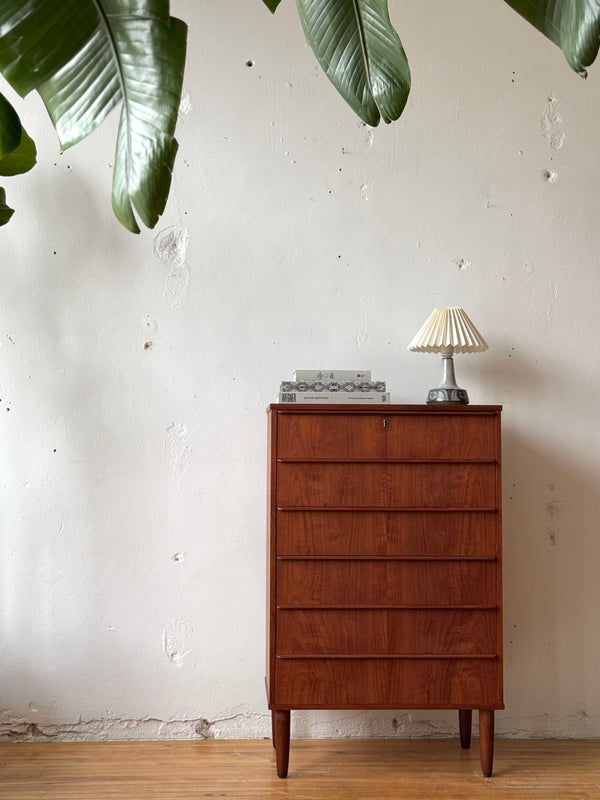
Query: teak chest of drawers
(384,563)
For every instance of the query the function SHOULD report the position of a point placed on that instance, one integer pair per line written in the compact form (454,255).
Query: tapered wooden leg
(486,741)
(281,738)
(273,729)
(465,718)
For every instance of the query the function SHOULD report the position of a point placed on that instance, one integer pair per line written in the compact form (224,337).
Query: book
(332,375)
(332,386)
(376,398)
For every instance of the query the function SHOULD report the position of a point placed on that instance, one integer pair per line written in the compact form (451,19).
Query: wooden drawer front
(456,485)
(386,533)
(389,683)
(386,631)
(352,582)
(427,435)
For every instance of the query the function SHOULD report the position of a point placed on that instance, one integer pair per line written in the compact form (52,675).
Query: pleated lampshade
(448,329)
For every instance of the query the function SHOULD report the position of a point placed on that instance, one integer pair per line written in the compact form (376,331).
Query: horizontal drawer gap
(384,607)
(345,460)
(379,509)
(384,558)
(387,656)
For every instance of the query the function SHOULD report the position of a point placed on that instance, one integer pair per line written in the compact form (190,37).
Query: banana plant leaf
(360,53)
(17,149)
(10,127)
(5,211)
(574,25)
(85,57)
(21,159)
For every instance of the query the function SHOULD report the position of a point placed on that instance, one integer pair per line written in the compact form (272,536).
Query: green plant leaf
(574,25)
(17,149)
(5,211)
(360,53)
(85,57)
(272,4)
(10,127)
(21,159)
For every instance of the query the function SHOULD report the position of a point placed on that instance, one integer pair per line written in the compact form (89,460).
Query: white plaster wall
(132,475)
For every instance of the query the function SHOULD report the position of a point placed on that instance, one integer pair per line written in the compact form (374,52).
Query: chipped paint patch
(170,247)
(175,638)
(185,106)
(233,726)
(552,125)
(176,451)
(177,286)
(462,263)
(549,175)
(369,136)
(249,725)
(171,244)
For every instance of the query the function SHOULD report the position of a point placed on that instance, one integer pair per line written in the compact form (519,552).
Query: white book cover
(332,375)
(375,398)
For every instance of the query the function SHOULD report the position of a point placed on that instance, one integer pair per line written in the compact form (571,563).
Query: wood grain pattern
(486,740)
(465,722)
(386,683)
(385,560)
(384,485)
(281,741)
(380,631)
(433,533)
(349,769)
(404,436)
(386,583)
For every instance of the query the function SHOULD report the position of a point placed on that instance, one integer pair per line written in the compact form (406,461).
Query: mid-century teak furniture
(384,563)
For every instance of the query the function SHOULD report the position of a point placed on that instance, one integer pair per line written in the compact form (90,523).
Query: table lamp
(448,331)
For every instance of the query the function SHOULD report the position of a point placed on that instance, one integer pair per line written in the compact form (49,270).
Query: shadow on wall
(548,545)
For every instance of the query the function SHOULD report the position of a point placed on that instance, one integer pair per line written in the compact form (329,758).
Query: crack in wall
(231,727)
(305,725)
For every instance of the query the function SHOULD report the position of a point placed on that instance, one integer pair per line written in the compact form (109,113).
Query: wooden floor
(338,769)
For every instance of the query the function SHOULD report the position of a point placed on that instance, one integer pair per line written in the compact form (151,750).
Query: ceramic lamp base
(448,395)
(448,391)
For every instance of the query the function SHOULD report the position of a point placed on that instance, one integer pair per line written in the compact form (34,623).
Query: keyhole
(385,423)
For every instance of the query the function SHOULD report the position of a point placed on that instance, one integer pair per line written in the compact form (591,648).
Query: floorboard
(364,769)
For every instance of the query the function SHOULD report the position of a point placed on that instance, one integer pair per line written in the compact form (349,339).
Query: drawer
(456,485)
(386,683)
(447,632)
(387,533)
(370,582)
(426,435)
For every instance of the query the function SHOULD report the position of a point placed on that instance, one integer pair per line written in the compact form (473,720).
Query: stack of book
(333,386)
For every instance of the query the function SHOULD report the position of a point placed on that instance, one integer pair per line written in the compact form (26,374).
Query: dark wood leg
(281,738)
(465,718)
(273,728)
(486,741)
